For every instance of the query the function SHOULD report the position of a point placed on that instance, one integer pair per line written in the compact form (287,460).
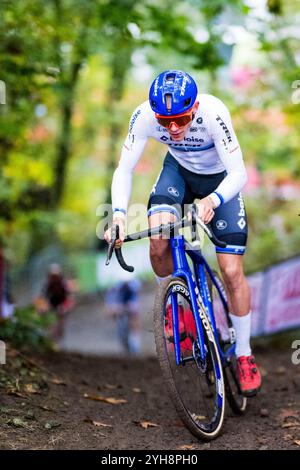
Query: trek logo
(155,87)
(183,86)
(133,119)
(225,128)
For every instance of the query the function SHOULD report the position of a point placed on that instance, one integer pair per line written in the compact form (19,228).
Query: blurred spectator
(57,297)
(121,302)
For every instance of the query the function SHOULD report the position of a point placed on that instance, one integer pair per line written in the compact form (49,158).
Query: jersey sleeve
(131,152)
(229,152)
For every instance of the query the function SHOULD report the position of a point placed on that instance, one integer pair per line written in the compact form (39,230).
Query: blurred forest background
(72,72)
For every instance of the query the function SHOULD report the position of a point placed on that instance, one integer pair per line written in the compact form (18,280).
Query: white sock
(242,326)
(160,279)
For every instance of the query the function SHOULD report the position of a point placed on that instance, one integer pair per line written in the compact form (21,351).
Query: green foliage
(27,329)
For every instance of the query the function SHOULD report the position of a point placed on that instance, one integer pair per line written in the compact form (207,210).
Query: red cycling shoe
(249,375)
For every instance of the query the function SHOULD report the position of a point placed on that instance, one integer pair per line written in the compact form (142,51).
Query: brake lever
(111,245)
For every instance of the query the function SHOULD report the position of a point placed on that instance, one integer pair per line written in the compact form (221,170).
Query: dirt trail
(51,411)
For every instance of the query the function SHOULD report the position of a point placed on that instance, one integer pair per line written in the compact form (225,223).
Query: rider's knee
(233,275)
(159,249)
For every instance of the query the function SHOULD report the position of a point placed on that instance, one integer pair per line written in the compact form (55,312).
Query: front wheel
(236,400)
(196,387)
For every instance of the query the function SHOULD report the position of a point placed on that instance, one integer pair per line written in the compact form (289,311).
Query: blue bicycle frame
(198,287)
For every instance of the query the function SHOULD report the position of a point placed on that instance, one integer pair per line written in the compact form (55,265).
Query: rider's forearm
(230,187)
(122,179)
(121,191)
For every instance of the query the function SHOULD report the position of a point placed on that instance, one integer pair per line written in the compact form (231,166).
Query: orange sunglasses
(180,119)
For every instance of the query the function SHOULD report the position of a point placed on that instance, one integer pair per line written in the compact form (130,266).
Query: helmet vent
(168,101)
(187,102)
(170,78)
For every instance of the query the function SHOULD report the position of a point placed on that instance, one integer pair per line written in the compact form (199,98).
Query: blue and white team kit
(207,162)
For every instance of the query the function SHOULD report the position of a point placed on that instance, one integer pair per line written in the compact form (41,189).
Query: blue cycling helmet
(172,92)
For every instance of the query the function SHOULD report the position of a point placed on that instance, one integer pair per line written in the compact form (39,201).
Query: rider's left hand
(205,209)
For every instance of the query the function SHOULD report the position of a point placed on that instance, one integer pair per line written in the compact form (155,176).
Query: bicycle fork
(182,269)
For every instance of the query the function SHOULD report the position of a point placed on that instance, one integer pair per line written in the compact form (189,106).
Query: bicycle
(194,336)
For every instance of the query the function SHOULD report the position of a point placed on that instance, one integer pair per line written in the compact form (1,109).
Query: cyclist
(204,161)
(122,303)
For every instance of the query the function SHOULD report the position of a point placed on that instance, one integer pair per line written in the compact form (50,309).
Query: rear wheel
(226,334)
(196,387)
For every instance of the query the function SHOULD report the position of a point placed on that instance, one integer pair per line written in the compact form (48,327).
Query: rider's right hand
(121,223)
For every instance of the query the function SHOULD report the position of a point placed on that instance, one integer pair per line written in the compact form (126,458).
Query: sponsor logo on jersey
(164,138)
(193,139)
(241,223)
(221,224)
(224,127)
(161,129)
(242,213)
(133,119)
(193,129)
(173,191)
(199,120)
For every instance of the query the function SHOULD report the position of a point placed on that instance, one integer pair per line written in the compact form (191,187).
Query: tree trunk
(65,137)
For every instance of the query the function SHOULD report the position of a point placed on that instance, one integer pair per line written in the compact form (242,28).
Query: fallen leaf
(262,440)
(110,400)
(297,442)
(137,390)
(146,424)
(18,423)
(57,381)
(290,425)
(52,424)
(31,388)
(97,423)
(187,447)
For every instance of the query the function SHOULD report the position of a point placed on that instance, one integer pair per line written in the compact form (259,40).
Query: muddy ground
(46,403)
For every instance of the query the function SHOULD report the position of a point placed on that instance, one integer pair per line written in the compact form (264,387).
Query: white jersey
(210,146)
